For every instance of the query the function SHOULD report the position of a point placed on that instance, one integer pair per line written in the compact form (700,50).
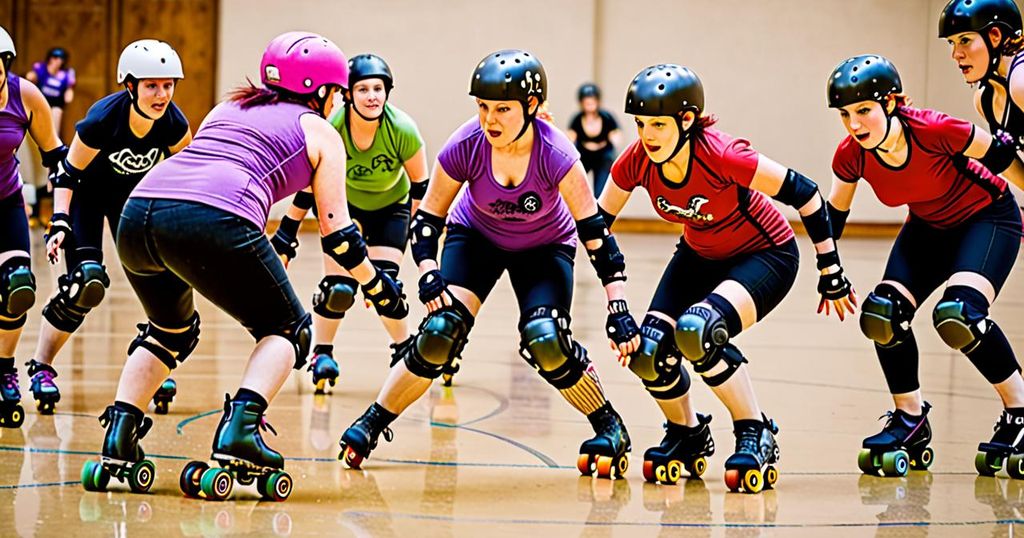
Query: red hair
(252,96)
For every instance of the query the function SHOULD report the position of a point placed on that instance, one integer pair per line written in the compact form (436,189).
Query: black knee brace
(335,296)
(658,362)
(885,316)
(77,293)
(547,344)
(438,344)
(961,317)
(701,330)
(17,288)
(170,347)
(298,332)
(388,267)
(717,368)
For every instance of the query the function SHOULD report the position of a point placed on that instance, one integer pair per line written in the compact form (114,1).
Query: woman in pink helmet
(196,222)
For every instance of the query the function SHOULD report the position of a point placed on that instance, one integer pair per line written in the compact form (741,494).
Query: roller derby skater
(177,216)
(963,229)
(735,262)
(23,110)
(517,217)
(385,180)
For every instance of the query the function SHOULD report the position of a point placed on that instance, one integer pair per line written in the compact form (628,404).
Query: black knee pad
(17,287)
(442,336)
(299,333)
(170,347)
(335,296)
(389,267)
(701,330)
(658,362)
(961,317)
(78,292)
(547,344)
(718,368)
(13,324)
(885,316)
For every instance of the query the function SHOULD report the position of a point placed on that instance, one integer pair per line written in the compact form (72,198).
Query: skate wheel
(771,475)
(605,466)
(674,472)
(649,474)
(753,481)
(44,407)
(866,462)
(895,463)
(621,466)
(216,484)
(16,418)
(697,468)
(446,379)
(986,465)
(161,407)
(1015,466)
(351,458)
(142,476)
(923,460)
(276,487)
(732,479)
(190,475)
(585,464)
(94,476)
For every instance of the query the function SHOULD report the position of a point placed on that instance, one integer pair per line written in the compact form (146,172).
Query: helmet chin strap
(684,137)
(527,120)
(992,69)
(888,127)
(135,99)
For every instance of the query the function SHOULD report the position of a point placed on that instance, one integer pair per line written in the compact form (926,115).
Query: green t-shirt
(376,177)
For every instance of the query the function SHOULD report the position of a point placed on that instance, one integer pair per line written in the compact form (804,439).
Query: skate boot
(324,368)
(682,448)
(11,412)
(243,457)
(361,437)
(164,396)
(44,390)
(123,458)
(1006,449)
(902,445)
(752,467)
(607,453)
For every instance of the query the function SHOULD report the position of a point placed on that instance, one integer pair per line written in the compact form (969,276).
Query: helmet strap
(888,127)
(527,119)
(684,137)
(135,96)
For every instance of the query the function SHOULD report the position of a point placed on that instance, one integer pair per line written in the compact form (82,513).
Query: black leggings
(14,224)
(89,207)
(384,227)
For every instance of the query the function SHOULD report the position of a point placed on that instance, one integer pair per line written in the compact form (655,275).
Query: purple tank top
(13,125)
(529,215)
(241,161)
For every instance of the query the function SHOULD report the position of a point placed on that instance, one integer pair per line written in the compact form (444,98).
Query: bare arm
(185,140)
(441,193)
(613,198)
(581,203)
(40,126)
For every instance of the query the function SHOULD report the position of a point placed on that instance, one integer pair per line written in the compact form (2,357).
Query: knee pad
(336,295)
(658,361)
(546,343)
(717,368)
(700,331)
(388,267)
(86,285)
(961,317)
(17,287)
(442,336)
(885,316)
(170,347)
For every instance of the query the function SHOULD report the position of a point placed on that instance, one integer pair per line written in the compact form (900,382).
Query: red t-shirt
(937,182)
(723,217)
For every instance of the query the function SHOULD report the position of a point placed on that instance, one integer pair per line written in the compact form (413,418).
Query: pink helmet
(302,63)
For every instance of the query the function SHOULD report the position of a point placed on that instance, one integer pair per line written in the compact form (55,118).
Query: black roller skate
(123,458)
(324,368)
(361,437)
(902,445)
(243,457)
(607,453)
(44,390)
(683,448)
(752,467)
(164,396)
(12,414)
(1006,449)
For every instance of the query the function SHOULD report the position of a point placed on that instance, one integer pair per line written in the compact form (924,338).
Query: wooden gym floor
(495,455)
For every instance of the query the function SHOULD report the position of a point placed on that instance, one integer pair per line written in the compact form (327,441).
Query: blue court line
(181,425)
(565,522)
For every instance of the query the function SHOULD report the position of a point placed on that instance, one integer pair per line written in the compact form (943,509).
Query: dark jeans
(600,162)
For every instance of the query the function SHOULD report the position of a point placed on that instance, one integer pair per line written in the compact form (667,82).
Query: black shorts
(90,206)
(689,277)
(923,257)
(540,276)
(384,227)
(14,224)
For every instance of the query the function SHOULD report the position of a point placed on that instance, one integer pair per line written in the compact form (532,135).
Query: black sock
(246,395)
(323,349)
(130,409)
(7,364)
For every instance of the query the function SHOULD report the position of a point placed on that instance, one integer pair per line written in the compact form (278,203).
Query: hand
(386,296)
(623,333)
(836,290)
(57,232)
(434,290)
(285,246)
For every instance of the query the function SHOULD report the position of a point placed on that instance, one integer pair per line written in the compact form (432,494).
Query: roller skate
(243,457)
(44,390)
(123,458)
(752,467)
(11,412)
(449,371)
(164,396)
(1006,449)
(607,453)
(683,448)
(324,368)
(902,445)
(361,437)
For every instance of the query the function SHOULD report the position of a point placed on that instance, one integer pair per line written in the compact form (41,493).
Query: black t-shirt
(123,158)
(608,124)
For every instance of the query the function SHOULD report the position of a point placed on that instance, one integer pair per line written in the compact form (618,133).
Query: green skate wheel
(142,476)
(923,460)
(1015,466)
(276,487)
(867,463)
(895,463)
(189,479)
(986,465)
(94,476)
(216,484)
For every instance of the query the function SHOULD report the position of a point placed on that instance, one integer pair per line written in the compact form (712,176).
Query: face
(55,63)
(970,53)
(660,134)
(369,96)
(866,122)
(155,95)
(589,104)
(501,120)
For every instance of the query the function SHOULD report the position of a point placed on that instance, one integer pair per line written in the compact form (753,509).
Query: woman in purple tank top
(22,110)
(525,198)
(196,222)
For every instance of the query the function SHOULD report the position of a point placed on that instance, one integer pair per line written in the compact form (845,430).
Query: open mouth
(493,134)
(862,136)
(158,106)
(652,148)
(964,69)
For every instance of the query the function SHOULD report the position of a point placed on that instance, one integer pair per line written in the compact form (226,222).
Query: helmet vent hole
(163,60)
(661,87)
(853,79)
(501,62)
(305,51)
(508,77)
(517,61)
(855,69)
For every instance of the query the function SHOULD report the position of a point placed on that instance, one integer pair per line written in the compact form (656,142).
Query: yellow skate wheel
(986,465)
(1015,466)
(17,417)
(867,462)
(621,466)
(660,473)
(753,482)
(698,467)
(674,473)
(585,465)
(605,465)
(771,475)
(923,460)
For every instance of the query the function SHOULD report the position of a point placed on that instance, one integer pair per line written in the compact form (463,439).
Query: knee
(961,317)
(171,345)
(298,332)
(886,315)
(335,296)
(442,336)
(78,292)
(705,327)
(17,288)
(547,344)
(658,362)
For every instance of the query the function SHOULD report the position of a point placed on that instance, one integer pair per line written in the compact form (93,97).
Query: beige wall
(763,63)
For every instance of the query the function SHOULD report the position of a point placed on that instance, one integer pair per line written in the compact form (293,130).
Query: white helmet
(7,51)
(148,58)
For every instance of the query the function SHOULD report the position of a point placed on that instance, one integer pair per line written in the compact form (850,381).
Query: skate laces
(10,380)
(265,426)
(374,418)
(748,440)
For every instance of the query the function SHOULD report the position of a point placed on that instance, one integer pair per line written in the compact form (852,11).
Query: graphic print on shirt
(126,162)
(383,161)
(691,211)
(527,204)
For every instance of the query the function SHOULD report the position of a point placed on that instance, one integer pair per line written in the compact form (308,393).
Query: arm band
(303,200)
(609,219)
(1001,153)
(65,176)
(289,226)
(425,235)
(797,189)
(827,259)
(54,156)
(607,259)
(838,219)
(345,246)
(817,224)
(418,189)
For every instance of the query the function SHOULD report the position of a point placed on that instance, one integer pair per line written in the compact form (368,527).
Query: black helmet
(509,75)
(57,52)
(665,90)
(588,90)
(366,66)
(977,15)
(868,77)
